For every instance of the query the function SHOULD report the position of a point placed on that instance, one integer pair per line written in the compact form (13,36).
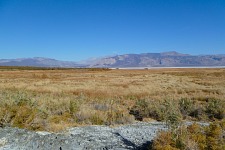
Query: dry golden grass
(72,97)
(157,83)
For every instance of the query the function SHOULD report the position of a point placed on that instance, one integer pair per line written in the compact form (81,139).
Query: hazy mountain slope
(38,62)
(168,59)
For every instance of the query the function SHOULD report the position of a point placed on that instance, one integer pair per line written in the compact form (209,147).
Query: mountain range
(166,59)
(38,62)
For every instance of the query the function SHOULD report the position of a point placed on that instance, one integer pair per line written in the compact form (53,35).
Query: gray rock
(134,136)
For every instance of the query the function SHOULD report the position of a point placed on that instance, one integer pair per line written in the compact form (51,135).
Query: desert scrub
(166,110)
(140,110)
(22,114)
(148,108)
(19,110)
(186,106)
(171,113)
(215,109)
(194,136)
(175,110)
(53,98)
(29,110)
(107,112)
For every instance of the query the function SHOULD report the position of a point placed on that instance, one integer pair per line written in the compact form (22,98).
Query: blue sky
(80,29)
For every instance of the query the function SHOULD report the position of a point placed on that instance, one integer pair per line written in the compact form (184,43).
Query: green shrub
(198,112)
(192,137)
(73,107)
(95,119)
(215,109)
(186,106)
(172,114)
(215,139)
(167,110)
(140,109)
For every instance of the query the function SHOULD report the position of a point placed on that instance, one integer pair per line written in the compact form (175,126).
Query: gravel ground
(134,136)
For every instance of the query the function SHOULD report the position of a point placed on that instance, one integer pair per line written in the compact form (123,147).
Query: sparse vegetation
(193,137)
(54,99)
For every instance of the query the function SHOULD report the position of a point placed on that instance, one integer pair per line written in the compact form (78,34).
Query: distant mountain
(166,59)
(38,62)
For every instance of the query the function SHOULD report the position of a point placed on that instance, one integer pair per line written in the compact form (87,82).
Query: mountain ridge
(38,62)
(164,59)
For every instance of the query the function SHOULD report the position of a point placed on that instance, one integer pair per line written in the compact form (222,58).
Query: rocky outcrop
(135,136)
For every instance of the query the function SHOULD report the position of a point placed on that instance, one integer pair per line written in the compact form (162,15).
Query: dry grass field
(52,100)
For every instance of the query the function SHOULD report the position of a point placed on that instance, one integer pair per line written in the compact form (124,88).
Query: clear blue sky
(80,29)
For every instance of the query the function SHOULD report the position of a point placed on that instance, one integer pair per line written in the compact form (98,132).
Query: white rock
(3,141)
